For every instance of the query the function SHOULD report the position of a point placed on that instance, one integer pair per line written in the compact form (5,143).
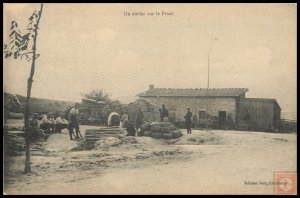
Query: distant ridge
(43,105)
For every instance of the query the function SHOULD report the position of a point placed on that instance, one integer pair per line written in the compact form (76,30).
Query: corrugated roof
(214,92)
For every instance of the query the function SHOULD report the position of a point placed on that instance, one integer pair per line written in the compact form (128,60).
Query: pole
(27,106)
(208,59)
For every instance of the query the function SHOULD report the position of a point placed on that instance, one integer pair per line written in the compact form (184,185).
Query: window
(202,114)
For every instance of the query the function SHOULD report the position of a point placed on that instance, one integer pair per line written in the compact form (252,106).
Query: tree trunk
(27,105)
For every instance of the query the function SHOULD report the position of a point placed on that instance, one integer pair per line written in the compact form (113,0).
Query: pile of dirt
(106,142)
(57,143)
(165,130)
(200,139)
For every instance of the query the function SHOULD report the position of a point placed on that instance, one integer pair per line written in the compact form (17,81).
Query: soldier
(172,116)
(188,121)
(139,118)
(163,113)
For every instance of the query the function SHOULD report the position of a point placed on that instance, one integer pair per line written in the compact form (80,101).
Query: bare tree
(20,46)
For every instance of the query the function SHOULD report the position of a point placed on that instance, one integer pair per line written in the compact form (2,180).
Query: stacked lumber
(165,130)
(94,135)
(14,142)
(13,115)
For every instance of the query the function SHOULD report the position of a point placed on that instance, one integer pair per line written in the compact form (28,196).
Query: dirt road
(151,167)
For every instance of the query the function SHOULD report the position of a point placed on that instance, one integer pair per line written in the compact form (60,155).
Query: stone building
(216,105)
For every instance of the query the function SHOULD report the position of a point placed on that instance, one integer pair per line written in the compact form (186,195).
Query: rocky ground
(206,162)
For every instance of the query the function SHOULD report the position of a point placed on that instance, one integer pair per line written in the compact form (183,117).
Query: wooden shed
(262,114)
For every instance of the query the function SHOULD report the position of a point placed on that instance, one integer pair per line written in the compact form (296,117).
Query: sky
(95,46)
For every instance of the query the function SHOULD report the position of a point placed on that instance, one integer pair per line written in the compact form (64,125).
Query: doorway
(222,119)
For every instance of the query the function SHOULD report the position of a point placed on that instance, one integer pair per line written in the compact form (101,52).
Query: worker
(130,128)
(124,118)
(73,121)
(172,116)
(139,118)
(47,123)
(195,121)
(35,131)
(163,113)
(105,115)
(61,123)
(188,121)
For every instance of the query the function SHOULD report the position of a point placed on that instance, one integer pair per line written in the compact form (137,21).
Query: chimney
(151,87)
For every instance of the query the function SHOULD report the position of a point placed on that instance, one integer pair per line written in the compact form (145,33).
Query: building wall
(212,105)
(150,111)
(261,113)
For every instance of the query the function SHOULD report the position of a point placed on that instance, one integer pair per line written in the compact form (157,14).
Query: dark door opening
(222,119)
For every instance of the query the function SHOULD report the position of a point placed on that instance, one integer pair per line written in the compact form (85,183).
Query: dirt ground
(205,162)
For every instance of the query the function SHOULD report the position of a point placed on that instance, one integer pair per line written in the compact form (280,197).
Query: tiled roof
(214,92)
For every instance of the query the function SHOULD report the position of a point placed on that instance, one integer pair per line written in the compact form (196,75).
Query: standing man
(139,118)
(172,116)
(105,115)
(188,121)
(73,121)
(163,113)
(124,118)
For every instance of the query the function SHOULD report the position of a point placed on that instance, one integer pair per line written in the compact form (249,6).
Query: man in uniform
(139,118)
(163,113)
(188,121)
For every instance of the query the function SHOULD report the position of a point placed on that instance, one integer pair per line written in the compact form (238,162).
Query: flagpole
(208,58)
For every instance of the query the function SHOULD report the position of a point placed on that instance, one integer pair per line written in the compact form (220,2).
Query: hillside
(42,105)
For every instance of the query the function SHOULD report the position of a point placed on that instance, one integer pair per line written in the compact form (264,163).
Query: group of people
(70,121)
(132,127)
(165,115)
(49,124)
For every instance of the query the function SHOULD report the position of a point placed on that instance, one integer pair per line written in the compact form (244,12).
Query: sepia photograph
(149,99)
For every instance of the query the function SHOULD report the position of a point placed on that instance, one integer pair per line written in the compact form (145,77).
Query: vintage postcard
(150,99)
